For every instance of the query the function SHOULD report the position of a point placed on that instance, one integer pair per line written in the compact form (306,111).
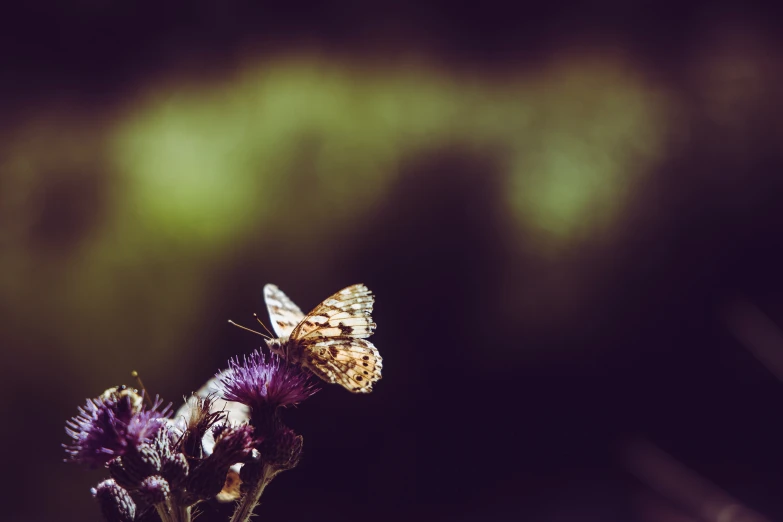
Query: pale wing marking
(347,313)
(283,313)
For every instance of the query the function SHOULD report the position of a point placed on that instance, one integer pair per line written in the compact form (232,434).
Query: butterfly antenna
(262,324)
(249,330)
(136,376)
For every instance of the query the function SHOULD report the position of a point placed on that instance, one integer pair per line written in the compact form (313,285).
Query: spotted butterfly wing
(283,313)
(346,313)
(355,364)
(333,339)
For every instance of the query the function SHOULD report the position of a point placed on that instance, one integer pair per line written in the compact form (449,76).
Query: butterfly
(330,341)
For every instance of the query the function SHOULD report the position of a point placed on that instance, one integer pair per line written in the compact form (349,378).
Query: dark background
(558,209)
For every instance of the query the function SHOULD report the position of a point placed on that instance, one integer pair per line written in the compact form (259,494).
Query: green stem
(180,513)
(171,511)
(250,500)
(164,512)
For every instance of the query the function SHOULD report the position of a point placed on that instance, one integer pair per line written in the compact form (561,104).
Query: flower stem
(181,513)
(163,512)
(250,500)
(171,511)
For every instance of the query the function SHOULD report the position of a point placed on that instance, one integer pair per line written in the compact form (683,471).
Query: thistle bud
(154,489)
(175,469)
(232,445)
(252,470)
(206,480)
(141,462)
(115,502)
(121,475)
(283,450)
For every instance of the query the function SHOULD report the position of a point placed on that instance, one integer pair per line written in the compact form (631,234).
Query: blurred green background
(541,208)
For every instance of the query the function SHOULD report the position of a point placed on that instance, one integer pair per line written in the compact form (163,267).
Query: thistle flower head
(264,382)
(111,425)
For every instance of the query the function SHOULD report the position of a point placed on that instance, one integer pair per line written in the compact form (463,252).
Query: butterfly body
(330,341)
(287,349)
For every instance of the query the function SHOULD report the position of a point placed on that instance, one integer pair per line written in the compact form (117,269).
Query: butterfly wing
(353,363)
(283,313)
(347,313)
(333,340)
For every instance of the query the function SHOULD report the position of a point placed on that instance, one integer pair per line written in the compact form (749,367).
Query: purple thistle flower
(264,382)
(108,426)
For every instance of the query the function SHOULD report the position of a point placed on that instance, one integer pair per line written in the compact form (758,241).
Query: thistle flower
(230,428)
(264,382)
(111,425)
